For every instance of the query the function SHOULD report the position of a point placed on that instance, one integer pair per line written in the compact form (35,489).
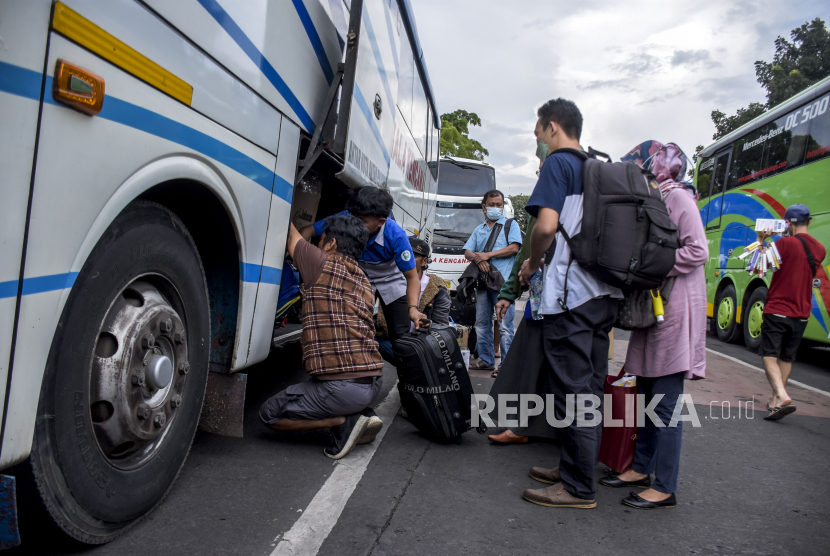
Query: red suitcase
(617,447)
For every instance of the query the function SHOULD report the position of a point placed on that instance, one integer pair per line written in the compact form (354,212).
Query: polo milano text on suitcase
(435,387)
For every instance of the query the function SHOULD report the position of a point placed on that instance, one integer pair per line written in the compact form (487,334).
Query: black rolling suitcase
(435,388)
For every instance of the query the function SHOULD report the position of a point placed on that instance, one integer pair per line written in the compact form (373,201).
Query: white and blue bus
(458,212)
(148,163)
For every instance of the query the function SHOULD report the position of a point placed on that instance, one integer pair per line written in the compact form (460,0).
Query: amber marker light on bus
(78,88)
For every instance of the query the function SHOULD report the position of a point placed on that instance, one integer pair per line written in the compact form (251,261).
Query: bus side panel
(262,329)
(406,164)
(711,266)
(372,114)
(216,93)
(818,328)
(266,45)
(83,183)
(23,26)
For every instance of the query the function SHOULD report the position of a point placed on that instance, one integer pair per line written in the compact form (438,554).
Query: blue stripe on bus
(249,272)
(136,117)
(390,100)
(270,275)
(370,118)
(38,284)
(8,289)
(230,26)
(314,37)
(26,83)
(20,81)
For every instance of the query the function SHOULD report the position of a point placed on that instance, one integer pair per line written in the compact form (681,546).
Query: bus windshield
(455,222)
(467,180)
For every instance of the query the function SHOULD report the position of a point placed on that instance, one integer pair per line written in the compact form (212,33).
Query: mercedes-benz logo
(378,106)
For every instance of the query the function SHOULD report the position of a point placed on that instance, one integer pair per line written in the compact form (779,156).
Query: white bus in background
(461,185)
(149,160)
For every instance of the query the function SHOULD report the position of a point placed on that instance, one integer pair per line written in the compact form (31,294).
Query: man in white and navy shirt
(387,261)
(578,313)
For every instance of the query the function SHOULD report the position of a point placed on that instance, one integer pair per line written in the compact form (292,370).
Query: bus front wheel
(726,313)
(753,318)
(125,378)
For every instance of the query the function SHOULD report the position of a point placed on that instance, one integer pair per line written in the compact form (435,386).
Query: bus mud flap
(224,407)
(9,534)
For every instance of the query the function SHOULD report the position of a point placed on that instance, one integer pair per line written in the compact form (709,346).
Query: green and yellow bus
(779,159)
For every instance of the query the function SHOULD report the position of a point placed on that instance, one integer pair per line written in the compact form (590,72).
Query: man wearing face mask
(577,314)
(500,256)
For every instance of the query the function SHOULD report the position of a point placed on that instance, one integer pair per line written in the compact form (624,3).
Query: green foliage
(724,124)
(455,140)
(519,212)
(691,173)
(795,66)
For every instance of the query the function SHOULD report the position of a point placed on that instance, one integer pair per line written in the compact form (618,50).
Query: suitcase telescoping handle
(423,329)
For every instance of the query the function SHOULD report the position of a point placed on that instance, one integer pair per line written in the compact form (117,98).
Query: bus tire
(726,311)
(125,378)
(753,317)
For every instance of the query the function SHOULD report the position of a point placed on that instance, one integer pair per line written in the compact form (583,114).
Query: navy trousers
(576,358)
(658,448)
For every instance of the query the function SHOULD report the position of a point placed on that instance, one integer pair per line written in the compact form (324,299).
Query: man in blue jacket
(387,261)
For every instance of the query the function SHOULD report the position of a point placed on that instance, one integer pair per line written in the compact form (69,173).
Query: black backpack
(627,239)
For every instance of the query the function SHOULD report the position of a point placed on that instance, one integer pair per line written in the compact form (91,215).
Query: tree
(724,124)
(455,140)
(695,156)
(519,212)
(795,66)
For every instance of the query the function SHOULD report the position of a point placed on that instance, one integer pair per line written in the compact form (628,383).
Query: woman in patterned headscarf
(665,354)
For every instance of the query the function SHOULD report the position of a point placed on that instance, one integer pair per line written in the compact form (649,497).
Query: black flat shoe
(616,482)
(636,502)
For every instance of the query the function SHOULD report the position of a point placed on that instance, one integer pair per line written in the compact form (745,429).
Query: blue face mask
(494,213)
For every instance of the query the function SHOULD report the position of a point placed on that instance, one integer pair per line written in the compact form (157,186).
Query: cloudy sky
(637,70)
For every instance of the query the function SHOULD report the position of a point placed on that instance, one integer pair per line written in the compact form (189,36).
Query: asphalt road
(747,486)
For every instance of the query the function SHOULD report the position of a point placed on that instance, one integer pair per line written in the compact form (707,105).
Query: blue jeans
(658,449)
(485,305)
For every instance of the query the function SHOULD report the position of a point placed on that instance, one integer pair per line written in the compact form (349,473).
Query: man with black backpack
(579,309)
(788,306)
(492,246)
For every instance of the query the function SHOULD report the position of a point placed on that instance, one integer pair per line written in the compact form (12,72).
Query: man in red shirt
(788,306)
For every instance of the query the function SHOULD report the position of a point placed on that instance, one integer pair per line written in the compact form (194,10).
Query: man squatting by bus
(361,252)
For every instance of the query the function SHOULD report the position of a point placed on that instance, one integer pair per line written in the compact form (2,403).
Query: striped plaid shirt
(338,333)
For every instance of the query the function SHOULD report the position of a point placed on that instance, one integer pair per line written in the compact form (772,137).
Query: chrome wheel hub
(138,375)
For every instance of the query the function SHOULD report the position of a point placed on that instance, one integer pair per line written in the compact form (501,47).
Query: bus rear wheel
(125,378)
(753,318)
(726,312)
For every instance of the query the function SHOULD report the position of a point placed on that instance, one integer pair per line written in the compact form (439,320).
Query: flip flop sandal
(480,367)
(494,374)
(779,413)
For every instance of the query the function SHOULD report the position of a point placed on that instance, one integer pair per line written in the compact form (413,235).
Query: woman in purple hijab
(666,354)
